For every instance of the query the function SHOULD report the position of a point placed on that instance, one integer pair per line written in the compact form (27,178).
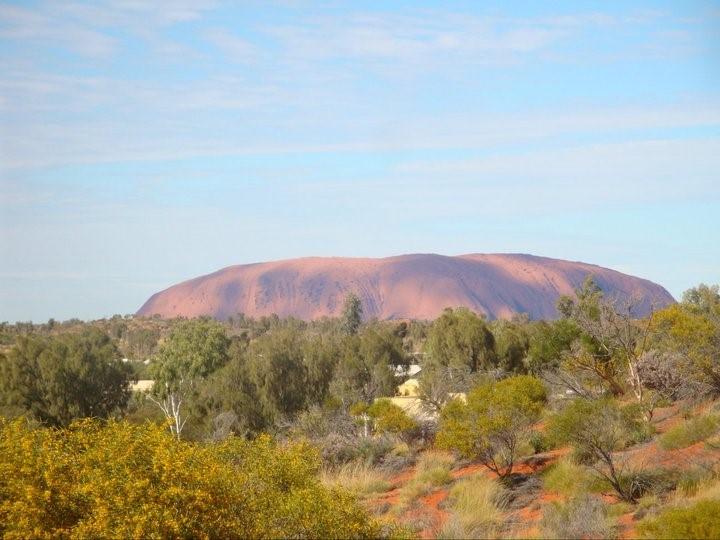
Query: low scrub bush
(118,480)
(646,504)
(580,517)
(400,457)
(701,520)
(389,418)
(539,442)
(597,429)
(337,449)
(653,481)
(690,432)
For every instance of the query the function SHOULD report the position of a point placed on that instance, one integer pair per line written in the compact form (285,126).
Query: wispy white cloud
(594,174)
(422,38)
(234,47)
(86,28)
(23,24)
(175,134)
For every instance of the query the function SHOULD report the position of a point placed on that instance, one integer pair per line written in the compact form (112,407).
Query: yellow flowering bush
(115,479)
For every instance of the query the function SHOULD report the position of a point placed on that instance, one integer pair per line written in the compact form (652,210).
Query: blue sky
(144,143)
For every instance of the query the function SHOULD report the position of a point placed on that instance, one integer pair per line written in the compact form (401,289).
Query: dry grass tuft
(690,432)
(357,477)
(477,505)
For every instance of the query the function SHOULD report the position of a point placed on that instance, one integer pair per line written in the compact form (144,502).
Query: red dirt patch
(626,523)
(403,477)
(432,504)
(469,470)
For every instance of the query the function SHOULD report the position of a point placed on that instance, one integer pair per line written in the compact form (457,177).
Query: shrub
(493,422)
(690,432)
(642,482)
(375,449)
(538,442)
(663,372)
(581,517)
(596,429)
(400,457)
(698,484)
(389,418)
(63,378)
(337,449)
(118,480)
(701,520)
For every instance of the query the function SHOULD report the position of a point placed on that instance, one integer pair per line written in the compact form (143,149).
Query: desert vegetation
(598,424)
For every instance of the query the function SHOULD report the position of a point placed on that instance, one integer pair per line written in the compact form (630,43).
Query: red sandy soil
(626,523)
(403,287)
(653,456)
(531,515)
(432,505)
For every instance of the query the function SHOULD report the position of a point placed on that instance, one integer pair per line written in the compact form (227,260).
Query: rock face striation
(404,287)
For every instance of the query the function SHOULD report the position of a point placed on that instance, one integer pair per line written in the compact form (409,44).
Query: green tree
(352,314)
(459,346)
(695,335)
(366,365)
(459,338)
(141,342)
(704,300)
(512,342)
(549,343)
(194,350)
(277,369)
(610,341)
(231,395)
(60,379)
(493,421)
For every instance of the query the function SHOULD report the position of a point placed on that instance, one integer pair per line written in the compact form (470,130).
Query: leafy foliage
(389,418)
(352,314)
(549,343)
(694,334)
(366,365)
(193,351)
(596,429)
(59,379)
(459,338)
(512,342)
(493,422)
(118,480)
